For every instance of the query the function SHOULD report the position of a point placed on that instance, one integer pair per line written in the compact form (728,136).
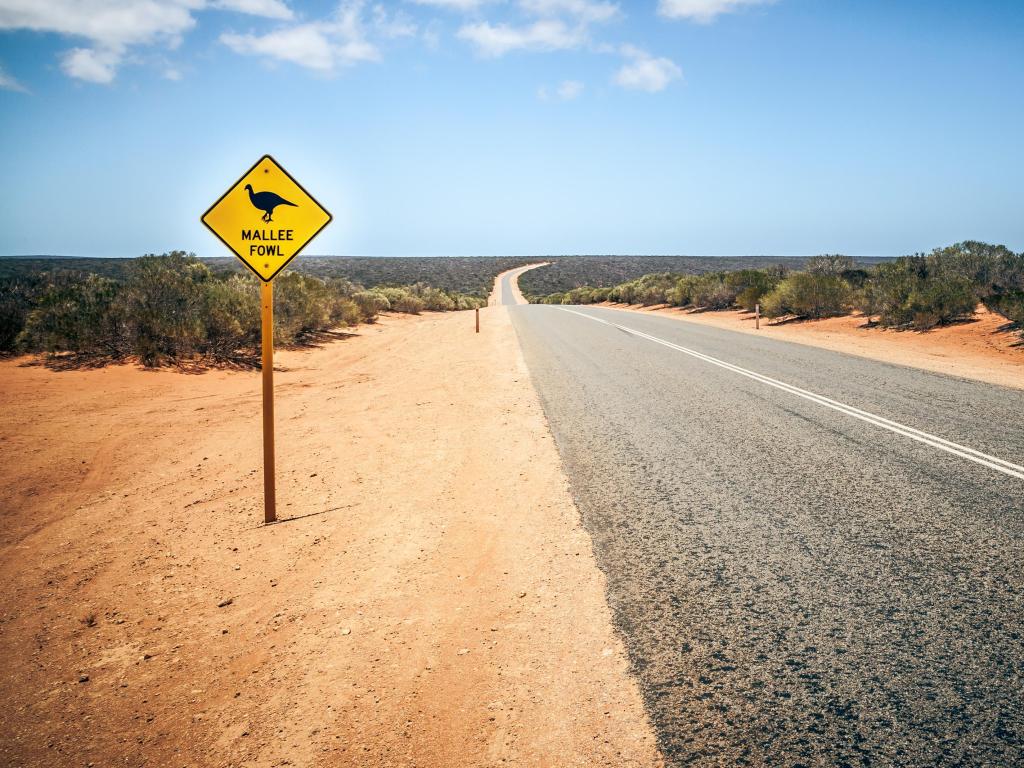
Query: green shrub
(749,285)
(829,264)
(920,292)
(371,303)
(1010,305)
(552,298)
(73,314)
(232,316)
(408,304)
(160,307)
(941,300)
(18,295)
(808,295)
(302,305)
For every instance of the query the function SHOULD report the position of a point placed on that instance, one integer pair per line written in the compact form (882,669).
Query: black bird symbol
(266,201)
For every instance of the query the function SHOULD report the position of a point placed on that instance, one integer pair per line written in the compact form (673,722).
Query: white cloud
(8,83)
(645,72)
(111,27)
(393,25)
(94,65)
(703,11)
(496,40)
(585,11)
(452,5)
(271,9)
(172,74)
(321,45)
(567,90)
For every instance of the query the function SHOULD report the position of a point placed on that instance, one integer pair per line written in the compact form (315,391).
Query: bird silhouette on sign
(266,202)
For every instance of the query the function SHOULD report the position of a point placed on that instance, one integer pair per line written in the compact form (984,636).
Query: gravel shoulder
(431,598)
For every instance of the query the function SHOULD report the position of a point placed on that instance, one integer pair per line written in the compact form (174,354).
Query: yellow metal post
(269,484)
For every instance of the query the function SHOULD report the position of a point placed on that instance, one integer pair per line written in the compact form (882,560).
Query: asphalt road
(797,582)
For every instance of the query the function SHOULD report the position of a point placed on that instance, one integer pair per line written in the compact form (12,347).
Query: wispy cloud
(585,11)
(8,83)
(392,25)
(567,90)
(453,5)
(94,65)
(271,9)
(644,72)
(558,25)
(112,27)
(494,40)
(321,45)
(703,11)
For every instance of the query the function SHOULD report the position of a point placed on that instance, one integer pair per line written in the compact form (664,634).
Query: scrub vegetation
(568,272)
(172,308)
(472,275)
(920,291)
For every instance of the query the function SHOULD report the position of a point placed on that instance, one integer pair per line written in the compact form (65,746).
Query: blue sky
(465,127)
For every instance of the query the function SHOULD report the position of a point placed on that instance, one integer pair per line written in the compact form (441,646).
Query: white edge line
(992,462)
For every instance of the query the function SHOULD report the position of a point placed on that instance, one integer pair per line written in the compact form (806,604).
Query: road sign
(266,218)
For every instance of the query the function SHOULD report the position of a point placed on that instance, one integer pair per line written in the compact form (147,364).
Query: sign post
(267,330)
(244,220)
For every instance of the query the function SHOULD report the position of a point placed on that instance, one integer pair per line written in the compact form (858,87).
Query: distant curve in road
(509,284)
(796,583)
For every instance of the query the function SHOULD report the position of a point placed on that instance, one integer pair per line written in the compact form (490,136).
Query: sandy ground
(431,598)
(981,349)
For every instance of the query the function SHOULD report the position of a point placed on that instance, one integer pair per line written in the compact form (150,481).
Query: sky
(518,127)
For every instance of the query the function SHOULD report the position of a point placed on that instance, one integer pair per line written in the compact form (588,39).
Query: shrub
(1010,305)
(710,291)
(552,298)
(73,314)
(749,285)
(941,300)
(345,311)
(18,295)
(160,307)
(302,305)
(407,303)
(809,295)
(919,292)
(232,316)
(371,303)
(434,299)
(829,264)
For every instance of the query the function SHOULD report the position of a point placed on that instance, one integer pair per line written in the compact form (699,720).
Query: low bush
(74,313)
(808,295)
(173,307)
(917,292)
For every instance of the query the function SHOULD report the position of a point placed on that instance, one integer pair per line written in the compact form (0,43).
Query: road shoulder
(432,598)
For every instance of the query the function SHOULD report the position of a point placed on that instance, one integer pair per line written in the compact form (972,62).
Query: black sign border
(239,256)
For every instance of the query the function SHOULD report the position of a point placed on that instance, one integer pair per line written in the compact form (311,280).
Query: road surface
(506,290)
(814,558)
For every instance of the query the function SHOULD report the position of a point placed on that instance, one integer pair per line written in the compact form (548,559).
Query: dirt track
(432,599)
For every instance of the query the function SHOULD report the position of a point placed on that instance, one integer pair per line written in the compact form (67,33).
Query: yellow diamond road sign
(266,218)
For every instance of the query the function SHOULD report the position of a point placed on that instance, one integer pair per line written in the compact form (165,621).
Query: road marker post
(478,319)
(243,219)
(757,317)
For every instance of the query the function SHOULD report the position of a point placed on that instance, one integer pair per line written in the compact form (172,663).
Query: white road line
(992,462)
